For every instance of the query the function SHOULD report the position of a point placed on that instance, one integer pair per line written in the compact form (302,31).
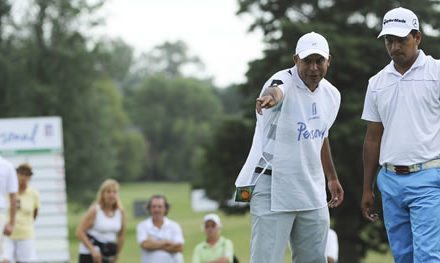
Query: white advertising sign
(31,134)
(39,142)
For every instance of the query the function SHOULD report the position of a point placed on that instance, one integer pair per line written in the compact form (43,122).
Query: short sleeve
(229,250)
(370,112)
(141,233)
(178,234)
(196,255)
(277,80)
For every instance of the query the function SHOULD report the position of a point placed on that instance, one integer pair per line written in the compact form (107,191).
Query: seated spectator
(216,248)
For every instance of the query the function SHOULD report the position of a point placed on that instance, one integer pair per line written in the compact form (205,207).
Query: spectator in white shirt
(161,239)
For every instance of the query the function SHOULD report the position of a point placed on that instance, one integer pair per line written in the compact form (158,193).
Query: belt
(402,169)
(258,170)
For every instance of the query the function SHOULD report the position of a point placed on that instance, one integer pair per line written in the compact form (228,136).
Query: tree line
(124,116)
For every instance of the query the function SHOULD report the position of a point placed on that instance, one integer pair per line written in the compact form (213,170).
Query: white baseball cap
(312,43)
(214,218)
(399,22)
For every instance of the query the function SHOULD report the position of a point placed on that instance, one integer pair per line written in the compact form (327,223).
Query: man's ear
(295,59)
(418,37)
(329,59)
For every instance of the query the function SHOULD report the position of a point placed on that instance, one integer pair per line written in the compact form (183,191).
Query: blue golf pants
(411,209)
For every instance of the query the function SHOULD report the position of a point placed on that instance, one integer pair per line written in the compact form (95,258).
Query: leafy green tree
(115,63)
(116,60)
(232,100)
(224,157)
(49,67)
(176,116)
(127,146)
(171,58)
(5,8)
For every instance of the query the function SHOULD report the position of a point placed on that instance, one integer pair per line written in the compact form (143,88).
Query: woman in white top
(102,229)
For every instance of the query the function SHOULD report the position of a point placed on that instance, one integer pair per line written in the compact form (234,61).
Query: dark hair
(414,32)
(25,169)
(167,205)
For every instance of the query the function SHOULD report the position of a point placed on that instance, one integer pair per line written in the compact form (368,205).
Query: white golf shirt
(170,230)
(408,106)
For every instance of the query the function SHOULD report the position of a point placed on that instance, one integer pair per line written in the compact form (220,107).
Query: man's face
(157,208)
(211,228)
(403,50)
(23,179)
(312,69)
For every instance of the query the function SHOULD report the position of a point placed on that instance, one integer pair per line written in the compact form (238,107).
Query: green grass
(374,257)
(236,227)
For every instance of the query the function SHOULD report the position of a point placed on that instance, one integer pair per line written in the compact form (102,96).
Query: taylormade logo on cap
(399,22)
(312,43)
(394,20)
